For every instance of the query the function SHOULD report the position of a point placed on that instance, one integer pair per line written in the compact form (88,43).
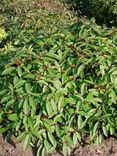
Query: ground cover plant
(58,78)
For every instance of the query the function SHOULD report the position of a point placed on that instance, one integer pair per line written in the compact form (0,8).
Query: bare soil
(108,148)
(10,149)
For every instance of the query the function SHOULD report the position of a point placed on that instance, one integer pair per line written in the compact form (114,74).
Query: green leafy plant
(3,34)
(105,11)
(54,94)
(57,77)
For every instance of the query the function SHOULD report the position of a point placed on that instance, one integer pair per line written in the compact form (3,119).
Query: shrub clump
(105,11)
(54,95)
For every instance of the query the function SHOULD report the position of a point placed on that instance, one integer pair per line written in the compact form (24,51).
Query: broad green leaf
(80,122)
(112,130)
(68,129)
(52,149)
(102,70)
(28,87)
(105,131)
(75,139)
(30,122)
(95,129)
(83,88)
(19,83)
(65,150)
(113,96)
(26,106)
(44,152)
(79,105)
(8,71)
(38,133)
(58,118)
(61,103)
(64,78)
(47,145)
(10,103)
(32,102)
(12,117)
(52,56)
(3,92)
(51,138)
(30,76)
(16,79)
(27,142)
(49,109)
(42,82)
(21,137)
(20,103)
(60,55)
(57,84)
(19,70)
(58,131)
(100,139)
(2,129)
(81,69)
(57,66)
(54,105)
(18,125)
(79,137)
(5,99)
(39,150)
(1,116)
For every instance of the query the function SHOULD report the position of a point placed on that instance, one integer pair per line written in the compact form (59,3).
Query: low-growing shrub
(25,23)
(105,11)
(54,95)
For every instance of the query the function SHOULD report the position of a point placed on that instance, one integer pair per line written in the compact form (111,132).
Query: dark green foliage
(57,95)
(58,81)
(105,11)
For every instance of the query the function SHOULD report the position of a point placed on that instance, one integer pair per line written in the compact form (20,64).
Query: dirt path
(108,148)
